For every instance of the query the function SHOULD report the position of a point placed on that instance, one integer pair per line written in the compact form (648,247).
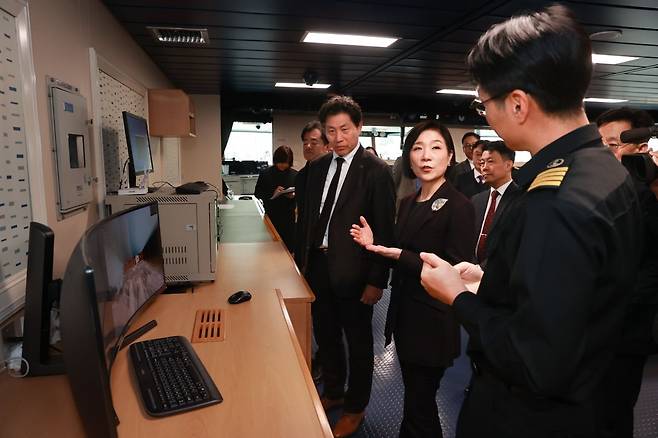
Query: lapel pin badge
(440,202)
(555,163)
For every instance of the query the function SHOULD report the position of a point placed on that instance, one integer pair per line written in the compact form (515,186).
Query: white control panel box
(71,148)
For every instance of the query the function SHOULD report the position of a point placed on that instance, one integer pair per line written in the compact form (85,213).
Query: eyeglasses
(614,145)
(469,145)
(478,105)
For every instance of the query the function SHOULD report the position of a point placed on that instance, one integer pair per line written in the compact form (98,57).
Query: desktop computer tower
(188,225)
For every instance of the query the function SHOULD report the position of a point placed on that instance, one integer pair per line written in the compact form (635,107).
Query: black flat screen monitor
(124,255)
(139,146)
(41,293)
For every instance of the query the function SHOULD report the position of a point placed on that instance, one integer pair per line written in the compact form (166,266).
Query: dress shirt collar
(478,176)
(502,188)
(348,158)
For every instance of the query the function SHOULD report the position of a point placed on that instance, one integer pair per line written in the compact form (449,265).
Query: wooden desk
(261,254)
(38,407)
(269,265)
(259,367)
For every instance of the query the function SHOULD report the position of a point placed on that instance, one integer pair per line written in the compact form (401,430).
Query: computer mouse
(239,297)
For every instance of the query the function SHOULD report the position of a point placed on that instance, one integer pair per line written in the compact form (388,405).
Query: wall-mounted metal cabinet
(171,113)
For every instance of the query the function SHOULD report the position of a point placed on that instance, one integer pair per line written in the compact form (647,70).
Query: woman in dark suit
(271,181)
(436,219)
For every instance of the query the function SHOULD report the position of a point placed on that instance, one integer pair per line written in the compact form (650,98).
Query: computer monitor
(125,255)
(115,271)
(140,161)
(41,294)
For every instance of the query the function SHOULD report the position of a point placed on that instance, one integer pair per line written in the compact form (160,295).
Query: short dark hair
(341,104)
(547,54)
(470,134)
(481,143)
(374,151)
(637,118)
(501,148)
(413,136)
(313,125)
(283,154)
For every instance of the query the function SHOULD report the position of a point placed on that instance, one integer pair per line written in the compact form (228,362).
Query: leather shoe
(347,424)
(330,403)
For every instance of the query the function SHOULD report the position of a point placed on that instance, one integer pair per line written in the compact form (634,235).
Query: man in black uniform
(547,315)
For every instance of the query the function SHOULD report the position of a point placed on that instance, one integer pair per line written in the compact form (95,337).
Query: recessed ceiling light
(611,59)
(179,35)
(603,100)
(300,85)
(455,91)
(348,40)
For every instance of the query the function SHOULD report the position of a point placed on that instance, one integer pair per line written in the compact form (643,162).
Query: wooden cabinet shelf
(171,113)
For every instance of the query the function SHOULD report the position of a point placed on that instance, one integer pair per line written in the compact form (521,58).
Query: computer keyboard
(171,377)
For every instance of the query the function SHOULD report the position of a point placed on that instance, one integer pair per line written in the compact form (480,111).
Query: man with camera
(626,132)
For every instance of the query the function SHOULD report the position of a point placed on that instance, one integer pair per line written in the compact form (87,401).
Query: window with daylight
(249,142)
(385,140)
(520,157)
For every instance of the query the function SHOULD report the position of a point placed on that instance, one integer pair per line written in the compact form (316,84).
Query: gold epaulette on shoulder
(549,178)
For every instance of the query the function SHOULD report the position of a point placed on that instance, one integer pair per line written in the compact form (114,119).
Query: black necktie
(323,220)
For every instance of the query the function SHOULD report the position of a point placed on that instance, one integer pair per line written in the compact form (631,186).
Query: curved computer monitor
(140,161)
(115,271)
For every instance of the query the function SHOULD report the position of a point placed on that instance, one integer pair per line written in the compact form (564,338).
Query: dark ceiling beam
(474,15)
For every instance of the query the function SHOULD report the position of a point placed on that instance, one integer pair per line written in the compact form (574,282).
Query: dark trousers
(331,317)
(618,395)
(494,409)
(420,416)
(285,226)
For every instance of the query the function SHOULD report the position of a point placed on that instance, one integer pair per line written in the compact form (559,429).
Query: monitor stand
(134,191)
(141,190)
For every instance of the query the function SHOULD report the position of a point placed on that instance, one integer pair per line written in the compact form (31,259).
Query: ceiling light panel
(604,100)
(300,85)
(459,92)
(348,40)
(611,59)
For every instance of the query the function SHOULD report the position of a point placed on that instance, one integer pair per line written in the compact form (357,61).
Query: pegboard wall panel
(15,206)
(115,98)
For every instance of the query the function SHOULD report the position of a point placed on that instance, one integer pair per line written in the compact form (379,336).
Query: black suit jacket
(280,210)
(426,330)
(300,195)
(480,201)
(467,184)
(367,191)
(457,170)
